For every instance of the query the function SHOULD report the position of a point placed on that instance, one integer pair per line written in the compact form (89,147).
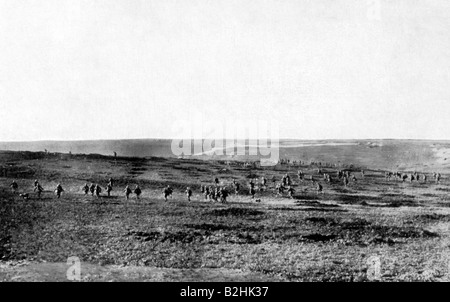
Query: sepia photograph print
(224,142)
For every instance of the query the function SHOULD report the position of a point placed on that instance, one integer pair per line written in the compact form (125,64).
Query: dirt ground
(334,236)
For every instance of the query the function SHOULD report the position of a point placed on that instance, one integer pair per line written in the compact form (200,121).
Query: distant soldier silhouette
(206,193)
(438,177)
(137,191)
(127,191)
(59,190)
(167,192)
(236,187)
(223,195)
(252,189)
(263,181)
(98,190)
(108,189)
(86,189)
(320,188)
(345,181)
(291,192)
(92,189)
(216,181)
(280,189)
(39,190)
(300,175)
(215,193)
(188,193)
(14,186)
(404,177)
(210,193)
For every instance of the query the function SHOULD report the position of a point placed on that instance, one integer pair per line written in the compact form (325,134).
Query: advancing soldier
(300,175)
(288,180)
(438,178)
(206,193)
(291,192)
(188,193)
(212,193)
(216,181)
(236,187)
(167,192)
(202,189)
(98,190)
(39,190)
(59,190)
(86,189)
(404,177)
(108,189)
(252,192)
(345,181)
(14,186)
(92,189)
(137,191)
(127,191)
(320,188)
(111,182)
(36,182)
(280,189)
(251,184)
(223,195)
(263,182)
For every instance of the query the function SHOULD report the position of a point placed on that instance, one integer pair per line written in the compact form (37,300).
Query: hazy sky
(130,68)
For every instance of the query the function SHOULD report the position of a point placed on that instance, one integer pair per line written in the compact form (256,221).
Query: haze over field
(376,154)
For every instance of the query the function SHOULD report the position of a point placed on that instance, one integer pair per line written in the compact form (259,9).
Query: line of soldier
(411,176)
(37,188)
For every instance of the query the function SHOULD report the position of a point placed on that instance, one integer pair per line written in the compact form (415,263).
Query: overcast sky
(130,68)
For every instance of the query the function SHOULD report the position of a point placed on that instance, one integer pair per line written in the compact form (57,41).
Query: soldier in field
(86,189)
(167,192)
(14,186)
(39,190)
(188,193)
(127,191)
(59,190)
(108,189)
(137,191)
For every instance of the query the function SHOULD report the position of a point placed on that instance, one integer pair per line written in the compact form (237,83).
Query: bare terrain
(311,237)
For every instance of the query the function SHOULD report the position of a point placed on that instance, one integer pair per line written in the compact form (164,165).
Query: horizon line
(265,138)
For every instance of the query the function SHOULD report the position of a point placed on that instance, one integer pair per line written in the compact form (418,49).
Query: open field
(312,237)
